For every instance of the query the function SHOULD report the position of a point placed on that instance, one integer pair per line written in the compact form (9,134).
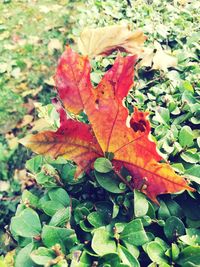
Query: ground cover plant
(31,36)
(97,209)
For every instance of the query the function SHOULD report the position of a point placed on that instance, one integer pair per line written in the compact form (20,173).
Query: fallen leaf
(162,60)
(4,186)
(29,106)
(109,130)
(41,125)
(12,140)
(50,81)
(53,45)
(147,58)
(27,119)
(23,177)
(32,92)
(103,41)
(157,58)
(3,67)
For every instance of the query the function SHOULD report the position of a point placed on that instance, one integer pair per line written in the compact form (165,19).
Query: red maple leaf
(109,130)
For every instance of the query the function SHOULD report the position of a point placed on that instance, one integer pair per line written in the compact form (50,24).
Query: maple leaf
(110,129)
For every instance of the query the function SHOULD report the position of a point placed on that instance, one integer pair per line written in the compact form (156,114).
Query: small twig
(129,3)
(123,179)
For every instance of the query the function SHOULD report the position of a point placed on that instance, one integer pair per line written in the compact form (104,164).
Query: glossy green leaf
(51,207)
(34,164)
(61,217)
(110,182)
(52,235)
(26,224)
(127,257)
(134,233)
(186,136)
(141,204)
(103,165)
(23,257)
(42,256)
(98,218)
(173,228)
(102,243)
(60,196)
(192,237)
(156,252)
(111,258)
(30,199)
(189,254)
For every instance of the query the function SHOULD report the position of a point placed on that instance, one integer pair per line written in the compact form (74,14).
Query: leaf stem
(123,179)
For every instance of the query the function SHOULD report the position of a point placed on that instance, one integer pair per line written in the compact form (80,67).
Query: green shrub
(69,222)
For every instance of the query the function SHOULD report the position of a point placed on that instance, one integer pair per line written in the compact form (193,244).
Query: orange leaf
(110,129)
(73,140)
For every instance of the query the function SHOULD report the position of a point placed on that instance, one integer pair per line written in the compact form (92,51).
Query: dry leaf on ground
(159,60)
(102,41)
(27,119)
(54,44)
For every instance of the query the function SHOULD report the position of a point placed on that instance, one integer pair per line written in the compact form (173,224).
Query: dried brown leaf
(103,41)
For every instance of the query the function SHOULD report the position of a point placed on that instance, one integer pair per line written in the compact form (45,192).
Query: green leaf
(60,217)
(85,226)
(45,180)
(193,173)
(178,167)
(162,115)
(110,182)
(83,261)
(193,223)
(174,208)
(132,249)
(151,211)
(35,164)
(52,235)
(161,242)
(59,195)
(156,252)
(80,213)
(111,258)
(127,257)
(192,237)
(173,228)
(189,254)
(98,218)
(134,233)
(186,136)
(30,199)
(190,157)
(95,77)
(141,204)
(103,165)
(42,255)
(188,97)
(174,251)
(26,224)
(163,212)
(51,207)
(102,243)
(23,257)
(188,86)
